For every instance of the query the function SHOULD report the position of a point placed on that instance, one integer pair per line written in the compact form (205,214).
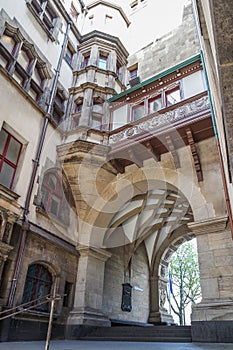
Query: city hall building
(108,163)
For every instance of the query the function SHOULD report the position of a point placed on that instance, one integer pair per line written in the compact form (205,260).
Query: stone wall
(169,50)
(114,277)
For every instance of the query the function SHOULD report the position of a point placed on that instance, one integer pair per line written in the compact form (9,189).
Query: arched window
(38,284)
(52,194)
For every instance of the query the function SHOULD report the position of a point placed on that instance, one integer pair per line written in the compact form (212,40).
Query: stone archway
(157,214)
(142,206)
(128,186)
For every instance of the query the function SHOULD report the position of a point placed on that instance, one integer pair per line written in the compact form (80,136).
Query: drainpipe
(228,204)
(25,222)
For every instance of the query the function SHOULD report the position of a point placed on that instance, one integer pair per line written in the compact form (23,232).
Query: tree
(184,280)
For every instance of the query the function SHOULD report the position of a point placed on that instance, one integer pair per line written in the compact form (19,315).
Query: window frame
(45,14)
(134,108)
(3,158)
(49,192)
(69,58)
(103,58)
(152,99)
(170,91)
(35,281)
(23,74)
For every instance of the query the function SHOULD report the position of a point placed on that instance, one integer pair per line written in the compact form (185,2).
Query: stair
(176,334)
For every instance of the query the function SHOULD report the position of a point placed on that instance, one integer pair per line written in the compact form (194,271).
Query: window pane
(138,112)
(96,123)
(38,284)
(3,138)
(155,104)
(102,62)
(6,175)
(85,62)
(52,181)
(55,203)
(36,76)
(173,97)
(13,150)
(8,42)
(133,74)
(97,108)
(69,56)
(23,59)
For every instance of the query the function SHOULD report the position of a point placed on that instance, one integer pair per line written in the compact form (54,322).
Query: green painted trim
(156,77)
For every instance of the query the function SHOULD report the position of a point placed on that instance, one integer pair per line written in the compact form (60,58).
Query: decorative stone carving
(162,296)
(161,121)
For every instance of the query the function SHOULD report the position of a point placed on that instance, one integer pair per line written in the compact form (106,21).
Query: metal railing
(49,298)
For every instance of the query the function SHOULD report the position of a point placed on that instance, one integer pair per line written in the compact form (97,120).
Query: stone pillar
(7,220)
(85,119)
(94,56)
(158,313)
(87,310)
(212,317)
(112,59)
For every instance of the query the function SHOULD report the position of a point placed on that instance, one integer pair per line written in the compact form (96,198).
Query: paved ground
(92,345)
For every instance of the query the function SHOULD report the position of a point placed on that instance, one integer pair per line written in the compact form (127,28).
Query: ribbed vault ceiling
(151,218)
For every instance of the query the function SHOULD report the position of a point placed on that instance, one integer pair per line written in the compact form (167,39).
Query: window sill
(8,194)
(35,313)
(51,217)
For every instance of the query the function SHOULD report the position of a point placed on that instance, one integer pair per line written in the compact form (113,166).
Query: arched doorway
(144,228)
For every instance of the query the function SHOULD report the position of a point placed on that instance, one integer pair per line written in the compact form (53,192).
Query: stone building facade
(107,167)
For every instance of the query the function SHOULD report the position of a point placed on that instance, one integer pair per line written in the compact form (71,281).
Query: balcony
(163,131)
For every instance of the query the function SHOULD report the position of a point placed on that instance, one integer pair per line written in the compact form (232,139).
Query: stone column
(87,310)
(85,119)
(212,317)
(158,313)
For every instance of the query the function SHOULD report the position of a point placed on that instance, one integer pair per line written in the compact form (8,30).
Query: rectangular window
(10,149)
(155,104)
(102,64)
(67,294)
(193,84)
(86,61)
(173,96)
(119,117)
(45,12)
(69,55)
(74,13)
(133,73)
(138,112)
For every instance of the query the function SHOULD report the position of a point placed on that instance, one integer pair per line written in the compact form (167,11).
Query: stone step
(140,339)
(131,333)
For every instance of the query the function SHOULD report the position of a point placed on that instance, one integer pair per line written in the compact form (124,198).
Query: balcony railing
(157,123)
